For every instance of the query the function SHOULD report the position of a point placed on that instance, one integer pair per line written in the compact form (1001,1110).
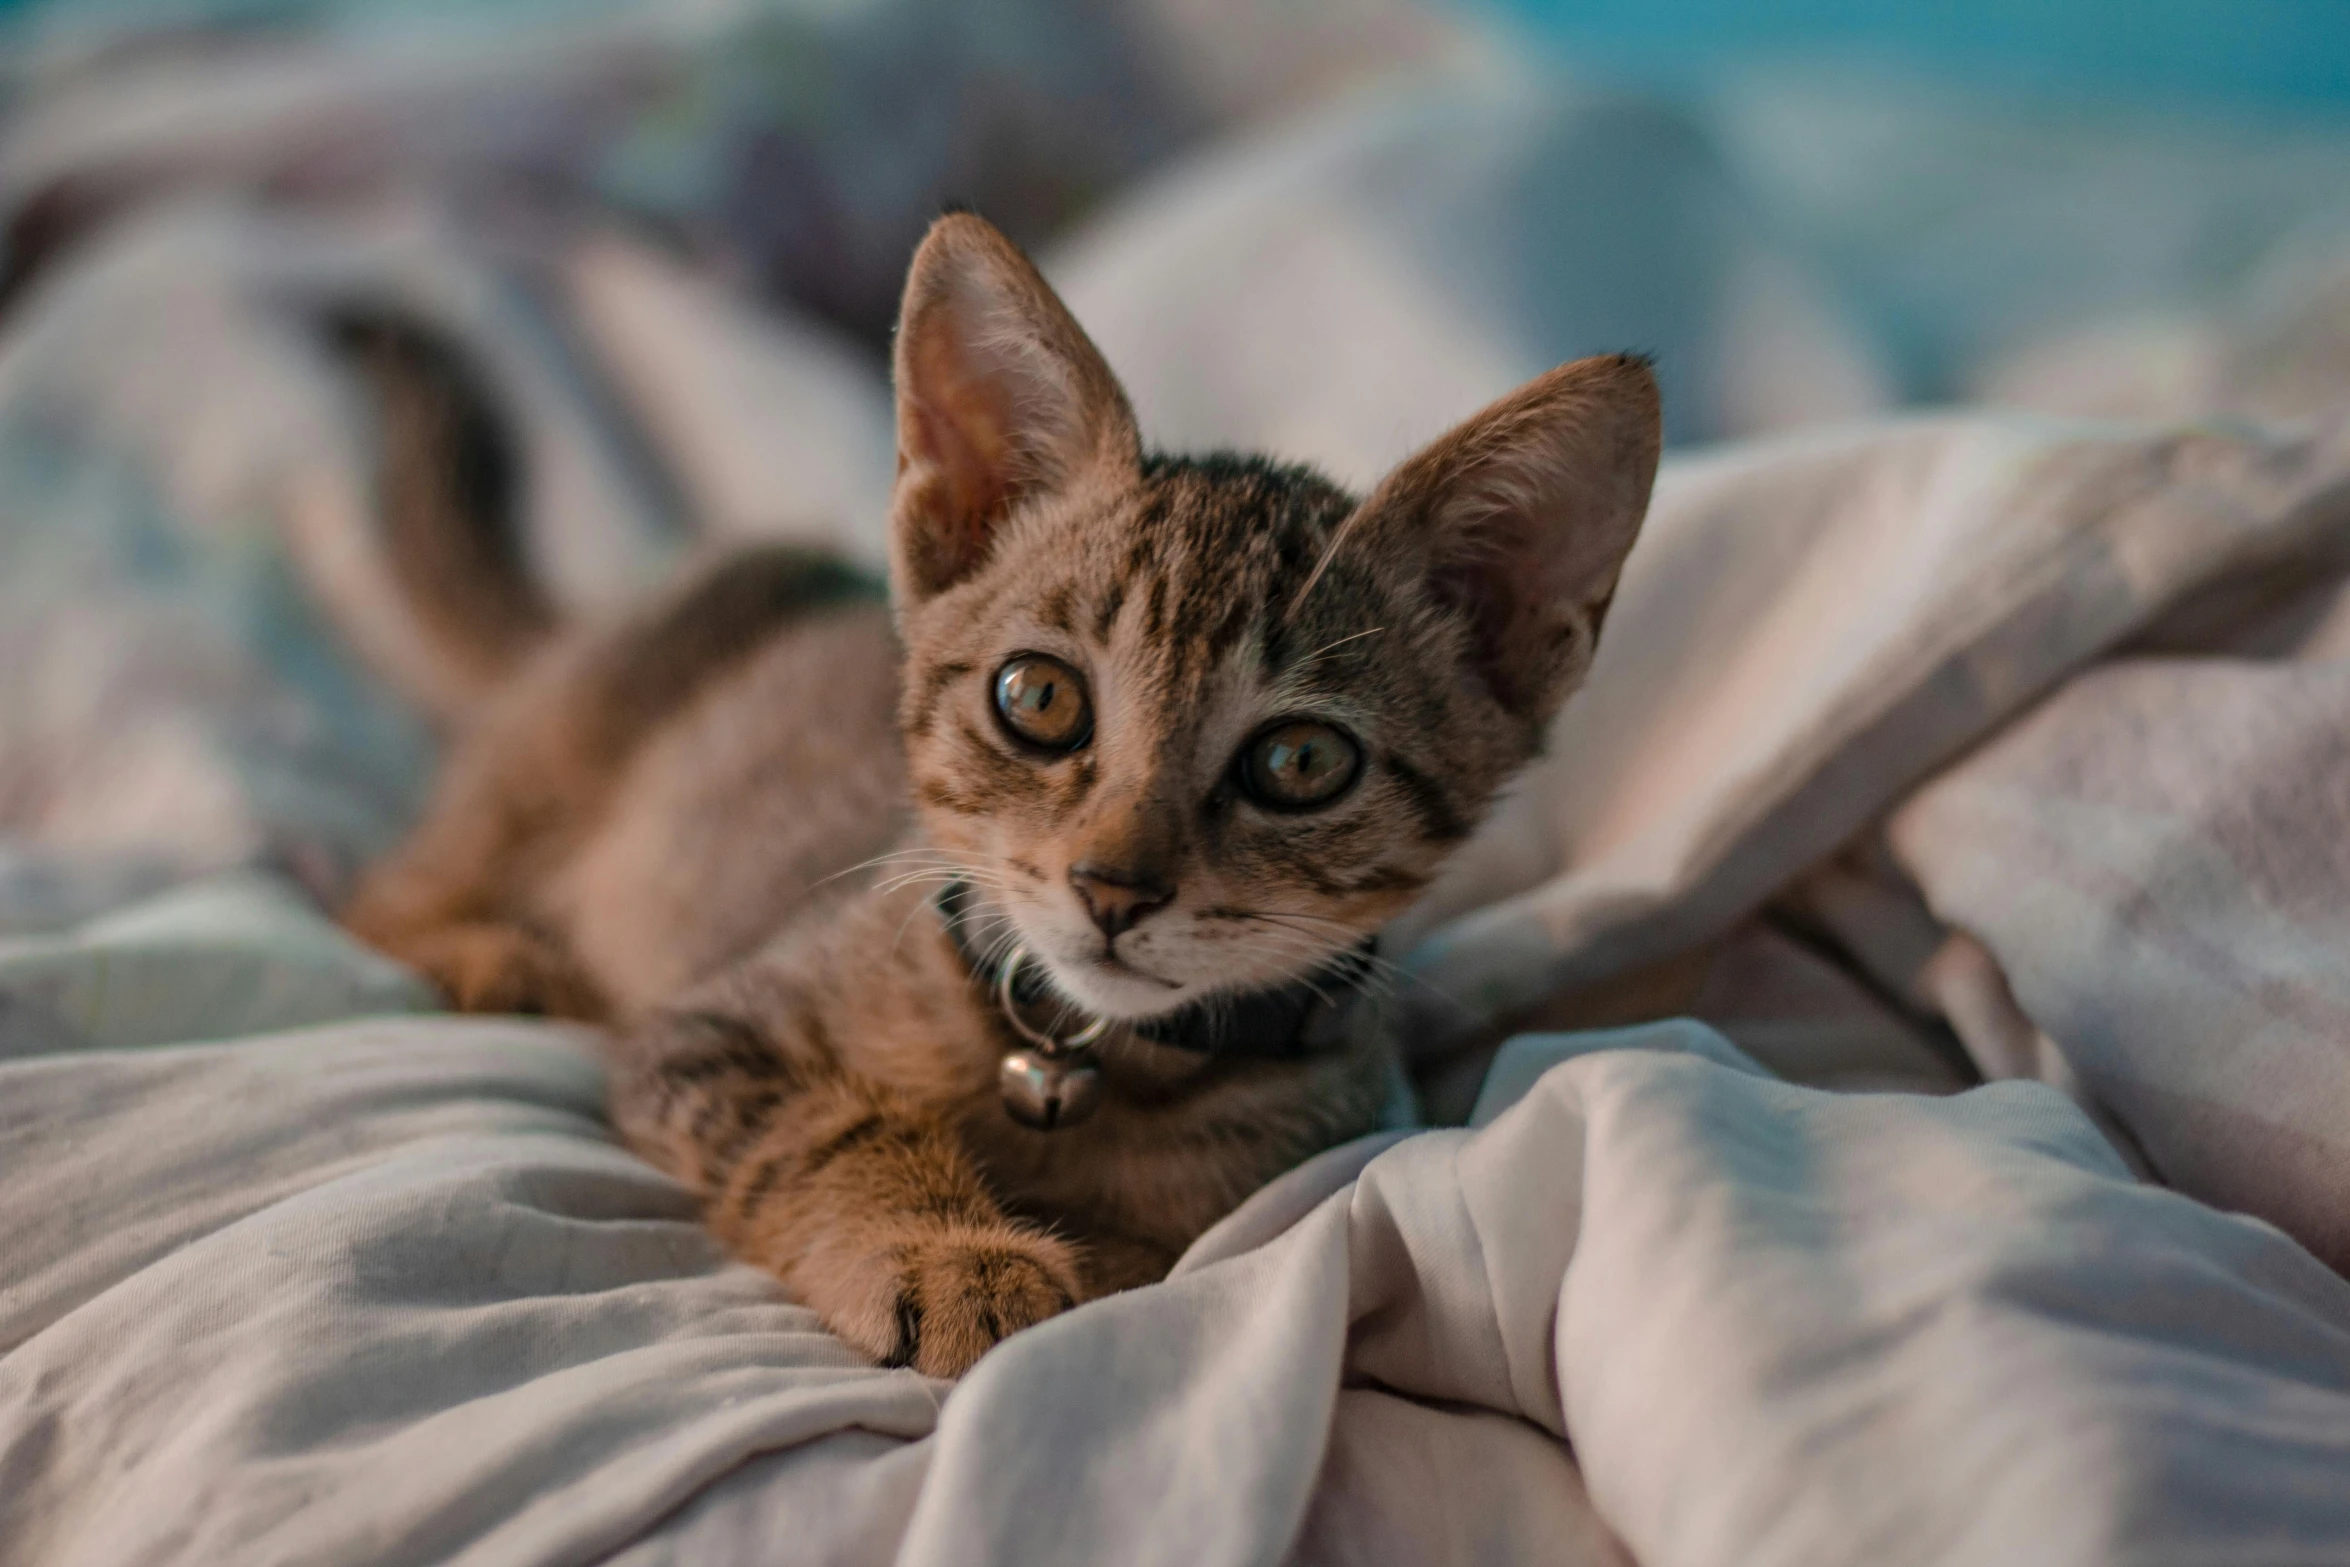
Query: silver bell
(1046,1092)
(1054,1083)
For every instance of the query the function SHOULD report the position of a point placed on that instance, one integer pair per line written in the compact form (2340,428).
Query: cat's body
(1176,732)
(593,868)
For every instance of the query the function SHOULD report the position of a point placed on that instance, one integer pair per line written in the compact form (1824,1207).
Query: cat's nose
(1118,900)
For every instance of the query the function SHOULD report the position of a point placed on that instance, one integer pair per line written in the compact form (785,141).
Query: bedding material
(1919,752)
(384,1291)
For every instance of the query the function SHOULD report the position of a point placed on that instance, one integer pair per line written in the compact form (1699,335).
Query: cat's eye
(1043,702)
(1299,764)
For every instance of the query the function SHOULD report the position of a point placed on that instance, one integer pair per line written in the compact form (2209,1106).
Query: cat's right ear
(1000,397)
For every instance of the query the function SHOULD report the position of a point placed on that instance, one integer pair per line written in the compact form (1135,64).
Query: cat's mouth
(1107,985)
(1100,977)
(1110,963)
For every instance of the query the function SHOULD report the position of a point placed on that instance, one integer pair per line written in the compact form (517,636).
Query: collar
(1267,1024)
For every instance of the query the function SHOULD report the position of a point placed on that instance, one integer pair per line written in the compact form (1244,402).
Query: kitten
(1101,820)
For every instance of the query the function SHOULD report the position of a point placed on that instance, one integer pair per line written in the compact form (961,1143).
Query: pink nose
(1117,900)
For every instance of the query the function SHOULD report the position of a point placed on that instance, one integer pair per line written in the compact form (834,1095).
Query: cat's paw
(953,1295)
(502,968)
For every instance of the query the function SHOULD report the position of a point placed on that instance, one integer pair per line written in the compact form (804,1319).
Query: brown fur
(680,823)
(464,609)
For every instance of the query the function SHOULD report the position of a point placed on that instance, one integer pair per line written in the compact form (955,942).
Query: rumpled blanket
(1920,751)
(384,1291)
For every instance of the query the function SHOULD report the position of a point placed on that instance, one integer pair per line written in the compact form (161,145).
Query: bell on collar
(1047,1091)
(1054,1083)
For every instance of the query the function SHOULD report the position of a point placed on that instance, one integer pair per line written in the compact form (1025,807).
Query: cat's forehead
(1236,502)
(1198,560)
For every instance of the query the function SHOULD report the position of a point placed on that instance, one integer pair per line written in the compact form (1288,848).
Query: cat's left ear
(1521,517)
(1001,397)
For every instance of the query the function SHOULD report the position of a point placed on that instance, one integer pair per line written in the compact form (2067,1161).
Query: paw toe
(958,1300)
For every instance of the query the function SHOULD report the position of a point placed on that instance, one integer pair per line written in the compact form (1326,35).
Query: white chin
(1128,998)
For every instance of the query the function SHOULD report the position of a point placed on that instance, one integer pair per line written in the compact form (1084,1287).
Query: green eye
(1299,764)
(1042,701)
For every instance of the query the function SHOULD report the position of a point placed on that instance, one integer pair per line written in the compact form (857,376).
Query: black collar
(1270,1024)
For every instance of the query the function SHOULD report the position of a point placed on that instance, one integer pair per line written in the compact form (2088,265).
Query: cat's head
(1200,724)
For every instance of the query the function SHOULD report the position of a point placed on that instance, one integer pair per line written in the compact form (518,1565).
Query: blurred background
(669,235)
(1808,209)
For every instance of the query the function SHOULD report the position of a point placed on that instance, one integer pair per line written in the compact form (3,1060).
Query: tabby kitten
(1103,820)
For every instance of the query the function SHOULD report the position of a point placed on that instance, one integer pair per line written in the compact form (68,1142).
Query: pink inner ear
(999,395)
(957,434)
(1533,507)
(1497,572)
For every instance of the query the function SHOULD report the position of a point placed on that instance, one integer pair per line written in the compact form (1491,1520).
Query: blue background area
(2292,54)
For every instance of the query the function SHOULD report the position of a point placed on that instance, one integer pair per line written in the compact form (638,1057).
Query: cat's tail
(431,582)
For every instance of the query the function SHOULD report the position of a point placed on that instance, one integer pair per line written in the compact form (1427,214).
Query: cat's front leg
(497,966)
(873,1215)
(866,1206)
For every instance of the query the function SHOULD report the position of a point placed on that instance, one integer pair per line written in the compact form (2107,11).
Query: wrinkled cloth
(2129,888)
(384,1291)
(2157,858)
(1808,629)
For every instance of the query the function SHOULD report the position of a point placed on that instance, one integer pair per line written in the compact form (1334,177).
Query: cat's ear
(1521,518)
(1000,397)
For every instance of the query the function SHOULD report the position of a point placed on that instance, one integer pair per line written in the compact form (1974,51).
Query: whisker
(1291,944)
(1329,553)
(1319,653)
(884,859)
(899,939)
(1000,945)
(940,877)
(1307,979)
(1379,966)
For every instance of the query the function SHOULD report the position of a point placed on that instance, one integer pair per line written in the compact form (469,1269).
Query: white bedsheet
(383,1291)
